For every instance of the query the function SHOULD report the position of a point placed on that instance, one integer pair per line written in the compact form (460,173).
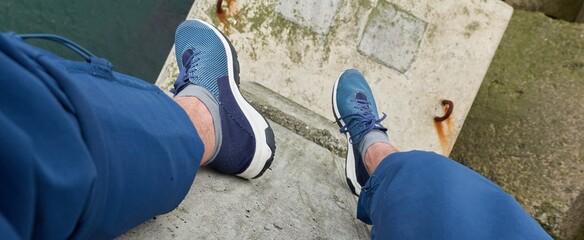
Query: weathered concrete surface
(395,44)
(525,130)
(317,15)
(302,196)
(298,61)
(569,10)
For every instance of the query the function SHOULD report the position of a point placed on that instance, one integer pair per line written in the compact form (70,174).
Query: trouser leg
(423,195)
(86,156)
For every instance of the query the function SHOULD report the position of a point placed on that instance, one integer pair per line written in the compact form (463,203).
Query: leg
(423,195)
(86,155)
(95,153)
(418,195)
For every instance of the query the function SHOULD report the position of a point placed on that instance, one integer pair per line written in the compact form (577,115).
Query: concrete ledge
(296,118)
(302,196)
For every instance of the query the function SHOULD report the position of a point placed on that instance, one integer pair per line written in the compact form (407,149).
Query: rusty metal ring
(449,107)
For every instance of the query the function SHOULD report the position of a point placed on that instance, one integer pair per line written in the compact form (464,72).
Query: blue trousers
(86,154)
(423,195)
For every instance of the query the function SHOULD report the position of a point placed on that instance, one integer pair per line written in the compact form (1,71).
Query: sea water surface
(135,35)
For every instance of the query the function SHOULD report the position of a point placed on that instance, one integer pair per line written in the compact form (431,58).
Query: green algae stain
(471,28)
(264,16)
(431,33)
(267,24)
(365,4)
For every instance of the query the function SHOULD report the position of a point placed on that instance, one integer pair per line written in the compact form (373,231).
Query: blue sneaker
(206,58)
(355,111)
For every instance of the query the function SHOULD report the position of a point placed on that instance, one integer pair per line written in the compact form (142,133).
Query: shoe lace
(363,119)
(190,62)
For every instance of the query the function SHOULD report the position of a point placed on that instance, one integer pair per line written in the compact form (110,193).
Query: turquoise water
(135,35)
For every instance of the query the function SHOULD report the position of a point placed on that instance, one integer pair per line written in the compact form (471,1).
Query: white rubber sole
(263,152)
(350,167)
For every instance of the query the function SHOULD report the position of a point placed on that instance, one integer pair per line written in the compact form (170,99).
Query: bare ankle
(375,154)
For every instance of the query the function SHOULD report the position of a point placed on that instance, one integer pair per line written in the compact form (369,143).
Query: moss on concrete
(465,11)
(471,28)
(262,19)
(366,4)
(525,130)
(281,28)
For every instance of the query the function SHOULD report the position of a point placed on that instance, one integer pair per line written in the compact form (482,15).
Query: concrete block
(302,196)
(316,15)
(447,60)
(392,36)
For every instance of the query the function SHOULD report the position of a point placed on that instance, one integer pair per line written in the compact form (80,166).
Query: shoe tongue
(361,96)
(185,56)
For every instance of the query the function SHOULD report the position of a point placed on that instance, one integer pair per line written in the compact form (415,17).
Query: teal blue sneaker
(207,59)
(355,112)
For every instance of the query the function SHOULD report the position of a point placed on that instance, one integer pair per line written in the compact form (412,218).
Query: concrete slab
(302,196)
(301,62)
(392,36)
(316,15)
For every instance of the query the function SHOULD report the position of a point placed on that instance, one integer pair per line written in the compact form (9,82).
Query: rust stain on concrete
(444,127)
(224,14)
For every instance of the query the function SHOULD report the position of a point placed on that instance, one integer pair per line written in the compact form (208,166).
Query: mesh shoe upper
(211,62)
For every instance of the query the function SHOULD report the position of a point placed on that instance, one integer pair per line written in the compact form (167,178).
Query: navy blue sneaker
(355,112)
(206,58)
